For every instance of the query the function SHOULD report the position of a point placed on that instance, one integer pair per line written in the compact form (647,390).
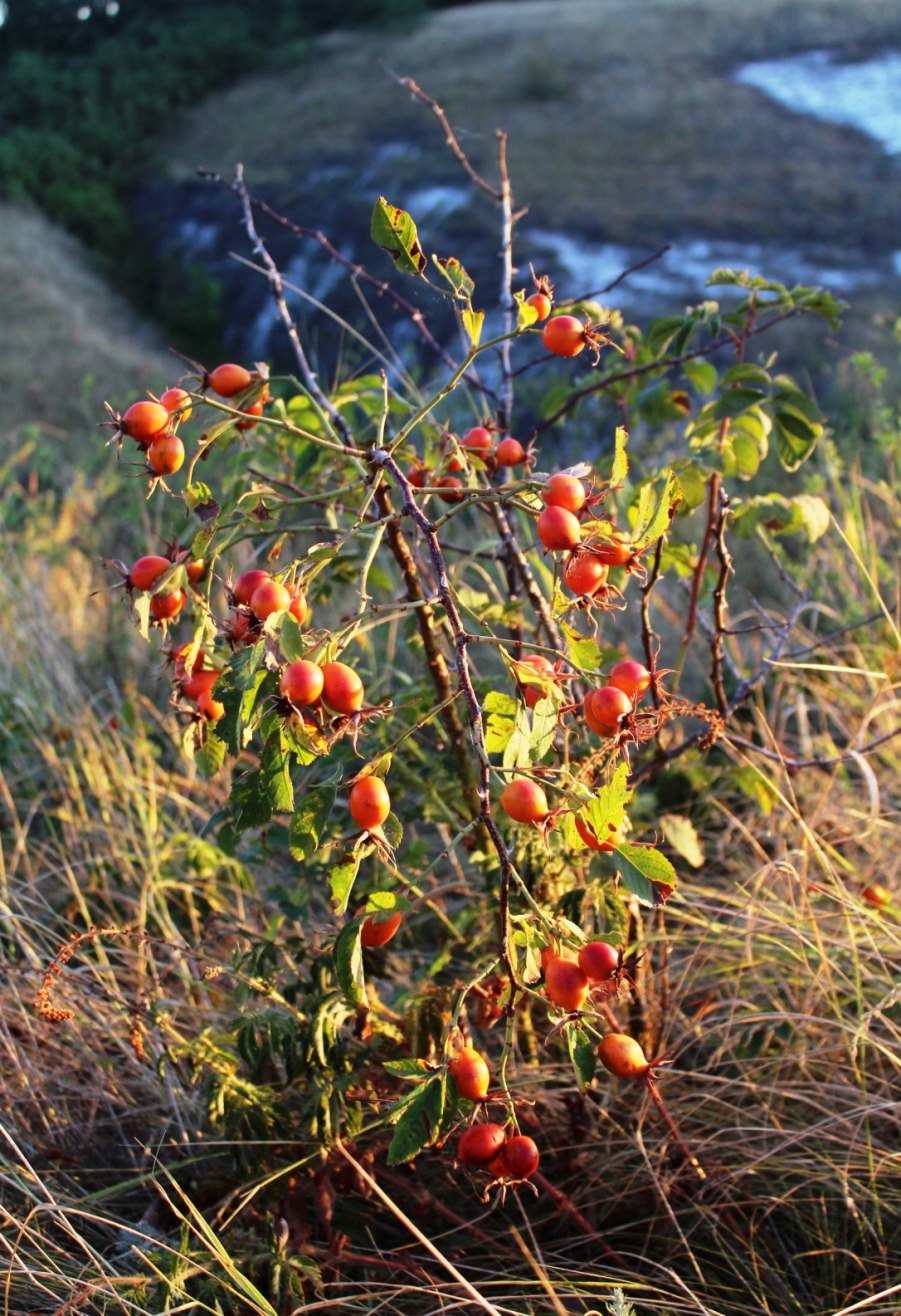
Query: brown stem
(703,551)
(687,1153)
(747,687)
(381,457)
(566,1205)
(635,372)
(648,637)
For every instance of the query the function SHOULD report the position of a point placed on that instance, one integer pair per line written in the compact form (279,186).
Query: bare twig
(450,137)
(425,617)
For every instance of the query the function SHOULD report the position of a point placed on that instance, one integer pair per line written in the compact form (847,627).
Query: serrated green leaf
(582,1054)
(681,835)
(661,332)
(290,639)
(584,651)
(517,748)
(796,437)
(620,467)
(606,811)
(141,606)
(275,768)
(393,831)
(409,1068)
(544,728)
(650,525)
(746,373)
(419,1124)
(815,516)
(309,820)
(341,879)
(394,231)
(452,270)
(211,755)
(735,401)
(648,874)
(526,315)
(241,667)
(746,455)
(348,957)
(250,801)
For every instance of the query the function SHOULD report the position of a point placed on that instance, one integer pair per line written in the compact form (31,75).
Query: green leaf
(701,375)
(746,373)
(651,525)
(141,607)
(582,1054)
(419,1123)
(275,768)
(661,332)
(451,269)
(393,831)
(681,835)
(341,879)
(393,230)
(796,437)
(693,482)
(584,651)
(308,822)
(348,957)
(211,755)
(516,751)
(544,728)
(735,401)
(501,710)
(746,456)
(620,461)
(814,514)
(526,315)
(409,1068)
(242,666)
(290,639)
(648,874)
(607,808)
(472,323)
(250,802)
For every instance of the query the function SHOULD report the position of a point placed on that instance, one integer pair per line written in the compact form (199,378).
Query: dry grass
(623,119)
(772,982)
(68,340)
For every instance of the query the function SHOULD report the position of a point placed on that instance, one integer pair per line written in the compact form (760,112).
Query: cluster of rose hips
(479,442)
(603,709)
(153,423)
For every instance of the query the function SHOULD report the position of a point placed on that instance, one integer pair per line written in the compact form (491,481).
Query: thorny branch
(462,640)
(354,269)
(425,617)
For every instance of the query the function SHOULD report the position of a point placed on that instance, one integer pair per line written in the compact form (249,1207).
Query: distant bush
(82,105)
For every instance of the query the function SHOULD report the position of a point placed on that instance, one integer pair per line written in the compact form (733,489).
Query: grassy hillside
(71,340)
(623,119)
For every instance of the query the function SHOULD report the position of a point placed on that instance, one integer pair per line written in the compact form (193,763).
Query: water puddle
(864,95)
